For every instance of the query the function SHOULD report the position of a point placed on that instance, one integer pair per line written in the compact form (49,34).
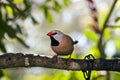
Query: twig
(14,60)
(93,11)
(113,26)
(101,49)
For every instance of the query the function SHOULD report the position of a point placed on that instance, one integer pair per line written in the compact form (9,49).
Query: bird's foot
(55,56)
(69,59)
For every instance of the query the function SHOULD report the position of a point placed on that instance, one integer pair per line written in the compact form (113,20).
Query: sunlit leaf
(117,44)
(76,75)
(94,51)
(114,75)
(107,34)
(18,1)
(91,35)
(59,74)
(48,15)
(66,2)
(9,10)
(100,78)
(102,17)
(73,55)
(94,75)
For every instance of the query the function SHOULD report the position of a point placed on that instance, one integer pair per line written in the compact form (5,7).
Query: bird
(61,43)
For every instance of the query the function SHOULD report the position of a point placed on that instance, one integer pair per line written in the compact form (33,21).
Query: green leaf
(9,10)
(107,34)
(48,15)
(114,75)
(1,33)
(102,17)
(94,75)
(2,47)
(34,21)
(117,19)
(59,74)
(66,2)
(0,17)
(22,42)
(74,75)
(28,5)
(117,43)
(10,31)
(1,73)
(18,29)
(57,6)
(95,51)
(91,35)
(18,1)
(42,8)
(15,14)
(100,78)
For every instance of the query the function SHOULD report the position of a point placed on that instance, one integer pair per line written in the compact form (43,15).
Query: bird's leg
(55,56)
(69,59)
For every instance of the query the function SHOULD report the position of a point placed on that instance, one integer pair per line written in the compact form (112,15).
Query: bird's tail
(75,42)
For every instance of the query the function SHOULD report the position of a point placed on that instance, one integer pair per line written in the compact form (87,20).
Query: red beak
(50,34)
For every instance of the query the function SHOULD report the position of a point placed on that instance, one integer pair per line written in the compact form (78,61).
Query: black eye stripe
(54,33)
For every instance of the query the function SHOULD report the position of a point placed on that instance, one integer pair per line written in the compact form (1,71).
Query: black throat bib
(54,42)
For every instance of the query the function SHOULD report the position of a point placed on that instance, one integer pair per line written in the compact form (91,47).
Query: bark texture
(12,60)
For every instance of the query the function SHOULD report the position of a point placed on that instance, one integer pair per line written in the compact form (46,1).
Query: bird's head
(56,34)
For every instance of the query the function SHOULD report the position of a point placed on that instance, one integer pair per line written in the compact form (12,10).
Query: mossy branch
(12,60)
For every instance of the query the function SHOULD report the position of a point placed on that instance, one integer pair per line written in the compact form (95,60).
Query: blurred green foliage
(102,17)
(115,75)
(9,12)
(46,8)
(94,51)
(91,35)
(117,19)
(63,75)
(117,43)
(107,34)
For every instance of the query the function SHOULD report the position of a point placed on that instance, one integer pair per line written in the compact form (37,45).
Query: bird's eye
(54,33)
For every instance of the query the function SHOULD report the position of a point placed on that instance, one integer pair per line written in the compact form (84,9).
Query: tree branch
(104,27)
(11,60)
